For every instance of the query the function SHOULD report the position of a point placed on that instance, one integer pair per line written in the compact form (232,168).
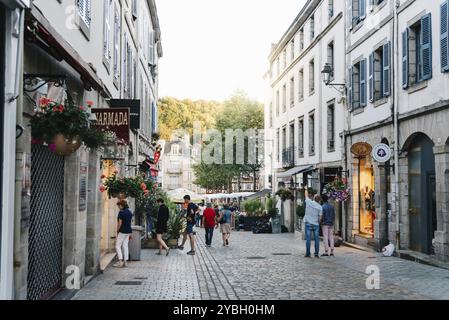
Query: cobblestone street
(258,267)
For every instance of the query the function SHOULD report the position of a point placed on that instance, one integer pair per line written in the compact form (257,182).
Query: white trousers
(122,242)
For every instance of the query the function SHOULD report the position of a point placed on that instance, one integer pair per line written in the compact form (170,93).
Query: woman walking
(328,227)
(161,226)
(124,232)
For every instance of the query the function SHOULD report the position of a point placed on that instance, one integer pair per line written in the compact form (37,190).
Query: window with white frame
(301,84)
(292,92)
(379,73)
(292,49)
(84,11)
(331,127)
(312,134)
(117,33)
(417,52)
(107,32)
(277,103)
(356,12)
(278,145)
(330,59)
(331,8)
(284,58)
(301,39)
(271,115)
(301,137)
(357,85)
(284,98)
(312,76)
(312,27)
(444,36)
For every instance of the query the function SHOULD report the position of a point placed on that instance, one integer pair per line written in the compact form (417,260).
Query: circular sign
(381,153)
(361,149)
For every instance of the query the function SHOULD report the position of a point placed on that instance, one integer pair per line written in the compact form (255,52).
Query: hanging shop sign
(83,187)
(382,153)
(361,149)
(115,120)
(134,110)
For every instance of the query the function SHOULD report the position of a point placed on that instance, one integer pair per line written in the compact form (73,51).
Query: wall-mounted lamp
(328,72)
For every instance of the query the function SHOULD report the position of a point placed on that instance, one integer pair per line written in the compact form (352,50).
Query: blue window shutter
(386,86)
(363,83)
(426,46)
(405,74)
(444,37)
(153,118)
(371,77)
(362,9)
(350,98)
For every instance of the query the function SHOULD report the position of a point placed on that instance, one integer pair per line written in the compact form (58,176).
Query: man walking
(226,219)
(161,225)
(312,217)
(328,226)
(192,211)
(209,222)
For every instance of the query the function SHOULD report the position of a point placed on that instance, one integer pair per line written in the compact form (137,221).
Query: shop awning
(294,171)
(260,194)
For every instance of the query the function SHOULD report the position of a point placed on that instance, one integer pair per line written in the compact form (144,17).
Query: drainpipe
(396,125)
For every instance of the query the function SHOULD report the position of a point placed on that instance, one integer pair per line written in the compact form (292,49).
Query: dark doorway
(385,241)
(422,190)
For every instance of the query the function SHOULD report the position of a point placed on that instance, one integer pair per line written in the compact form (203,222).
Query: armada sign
(115,120)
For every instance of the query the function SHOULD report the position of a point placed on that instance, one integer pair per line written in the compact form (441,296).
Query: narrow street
(262,267)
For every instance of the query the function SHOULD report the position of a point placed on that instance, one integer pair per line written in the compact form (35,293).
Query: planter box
(276,225)
(153,244)
(250,223)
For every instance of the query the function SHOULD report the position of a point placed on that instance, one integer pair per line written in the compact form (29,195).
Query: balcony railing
(174,170)
(288,157)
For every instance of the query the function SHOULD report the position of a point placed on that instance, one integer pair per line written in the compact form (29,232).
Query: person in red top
(209,223)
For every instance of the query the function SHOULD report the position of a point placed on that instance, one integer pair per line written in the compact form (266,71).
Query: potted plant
(63,127)
(175,226)
(285,194)
(273,213)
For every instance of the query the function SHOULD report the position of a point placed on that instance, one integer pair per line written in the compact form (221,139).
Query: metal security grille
(46,223)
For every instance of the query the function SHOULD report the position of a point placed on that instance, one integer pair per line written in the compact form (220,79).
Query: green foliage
(285,194)
(253,207)
(134,187)
(175,114)
(68,119)
(270,206)
(175,225)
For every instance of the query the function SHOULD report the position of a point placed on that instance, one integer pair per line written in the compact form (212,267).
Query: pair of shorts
(225,228)
(189,229)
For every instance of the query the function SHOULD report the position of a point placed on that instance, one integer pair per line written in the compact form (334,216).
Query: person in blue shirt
(226,220)
(124,232)
(328,221)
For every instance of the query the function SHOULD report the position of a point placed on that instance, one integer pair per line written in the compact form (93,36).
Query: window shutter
(426,46)
(363,83)
(371,77)
(445,37)
(350,82)
(405,74)
(362,9)
(386,70)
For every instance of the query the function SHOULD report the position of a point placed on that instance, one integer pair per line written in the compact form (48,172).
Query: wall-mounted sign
(115,120)
(134,110)
(361,149)
(381,153)
(83,187)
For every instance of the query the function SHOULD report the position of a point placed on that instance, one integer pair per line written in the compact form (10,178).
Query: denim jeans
(209,235)
(316,233)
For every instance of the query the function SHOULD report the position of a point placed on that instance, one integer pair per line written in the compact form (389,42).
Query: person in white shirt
(312,218)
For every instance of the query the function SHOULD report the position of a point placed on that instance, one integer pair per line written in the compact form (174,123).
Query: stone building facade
(63,224)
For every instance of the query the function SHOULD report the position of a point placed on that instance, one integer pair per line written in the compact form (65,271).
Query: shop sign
(83,187)
(381,153)
(134,110)
(115,120)
(361,149)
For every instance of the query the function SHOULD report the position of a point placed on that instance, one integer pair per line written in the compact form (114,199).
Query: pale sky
(214,47)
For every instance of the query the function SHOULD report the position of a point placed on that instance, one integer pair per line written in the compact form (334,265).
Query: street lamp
(327,72)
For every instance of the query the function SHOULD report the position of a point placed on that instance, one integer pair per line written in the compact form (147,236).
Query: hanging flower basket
(64,127)
(134,187)
(64,146)
(337,190)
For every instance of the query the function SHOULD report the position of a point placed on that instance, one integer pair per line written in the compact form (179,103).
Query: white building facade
(397,58)
(303,116)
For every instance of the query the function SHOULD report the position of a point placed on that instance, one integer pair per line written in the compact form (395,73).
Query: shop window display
(367,198)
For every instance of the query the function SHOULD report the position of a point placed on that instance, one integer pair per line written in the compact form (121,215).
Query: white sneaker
(119,264)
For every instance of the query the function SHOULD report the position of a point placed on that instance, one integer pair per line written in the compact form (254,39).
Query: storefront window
(367,196)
